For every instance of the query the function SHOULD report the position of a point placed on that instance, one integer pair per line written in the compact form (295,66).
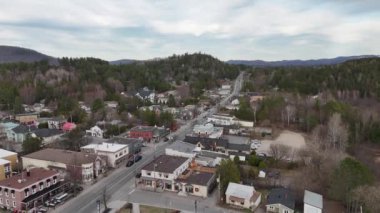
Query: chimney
(27,172)
(19,181)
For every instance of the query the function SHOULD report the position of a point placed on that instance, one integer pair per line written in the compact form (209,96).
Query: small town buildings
(47,135)
(181,149)
(313,202)
(227,120)
(56,123)
(19,193)
(242,196)
(148,133)
(161,173)
(280,200)
(74,165)
(95,131)
(19,133)
(146,94)
(162,98)
(27,118)
(208,130)
(134,144)
(115,153)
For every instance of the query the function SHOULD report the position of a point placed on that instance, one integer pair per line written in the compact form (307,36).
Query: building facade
(115,153)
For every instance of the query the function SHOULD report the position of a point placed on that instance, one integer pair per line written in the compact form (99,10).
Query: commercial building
(74,165)
(115,153)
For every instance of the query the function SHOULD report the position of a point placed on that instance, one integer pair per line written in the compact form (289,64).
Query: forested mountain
(304,63)
(88,79)
(9,54)
(355,78)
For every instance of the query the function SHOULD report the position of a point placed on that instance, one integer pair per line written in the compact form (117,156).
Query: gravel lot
(289,138)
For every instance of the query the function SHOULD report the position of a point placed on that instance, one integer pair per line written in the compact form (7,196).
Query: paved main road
(119,181)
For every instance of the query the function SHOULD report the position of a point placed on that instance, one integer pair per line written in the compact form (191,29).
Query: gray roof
(239,147)
(143,128)
(199,178)
(281,196)
(313,199)
(165,163)
(182,147)
(208,143)
(144,92)
(43,133)
(24,129)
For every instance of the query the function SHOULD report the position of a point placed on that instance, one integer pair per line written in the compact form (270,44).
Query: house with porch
(280,200)
(242,196)
(95,131)
(19,133)
(146,94)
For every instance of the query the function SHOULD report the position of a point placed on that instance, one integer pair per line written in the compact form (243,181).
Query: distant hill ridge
(10,54)
(312,62)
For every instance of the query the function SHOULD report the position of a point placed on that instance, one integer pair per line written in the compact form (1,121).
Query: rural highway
(115,182)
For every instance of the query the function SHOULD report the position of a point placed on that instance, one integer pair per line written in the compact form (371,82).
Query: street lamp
(154,176)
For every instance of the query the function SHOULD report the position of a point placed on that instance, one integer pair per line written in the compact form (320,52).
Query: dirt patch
(293,139)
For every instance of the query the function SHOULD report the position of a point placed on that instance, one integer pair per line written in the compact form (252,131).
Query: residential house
(47,135)
(95,131)
(242,196)
(5,169)
(134,144)
(172,110)
(313,202)
(20,133)
(280,200)
(27,118)
(75,165)
(208,130)
(68,126)
(6,126)
(111,104)
(9,156)
(227,120)
(19,193)
(115,153)
(161,173)
(182,149)
(146,94)
(56,123)
(162,98)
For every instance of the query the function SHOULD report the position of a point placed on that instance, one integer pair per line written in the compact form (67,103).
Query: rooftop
(240,191)
(43,133)
(2,161)
(5,153)
(199,178)
(182,147)
(36,175)
(143,128)
(165,163)
(283,196)
(62,156)
(24,129)
(106,147)
(313,199)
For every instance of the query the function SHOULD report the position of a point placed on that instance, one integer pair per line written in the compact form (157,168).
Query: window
(286,211)
(148,173)
(166,176)
(1,200)
(242,203)
(14,203)
(196,189)
(6,193)
(41,186)
(148,182)
(13,195)
(7,202)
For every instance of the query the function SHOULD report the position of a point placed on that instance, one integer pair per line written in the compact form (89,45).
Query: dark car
(129,163)
(138,175)
(138,158)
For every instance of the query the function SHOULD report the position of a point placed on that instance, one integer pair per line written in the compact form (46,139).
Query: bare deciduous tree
(279,151)
(337,133)
(369,196)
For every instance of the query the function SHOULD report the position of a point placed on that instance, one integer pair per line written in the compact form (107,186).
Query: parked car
(138,158)
(129,163)
(138,175)
(41,210)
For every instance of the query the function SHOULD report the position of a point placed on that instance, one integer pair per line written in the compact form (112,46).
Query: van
(61,198)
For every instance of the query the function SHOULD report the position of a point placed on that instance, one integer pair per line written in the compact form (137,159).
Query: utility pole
(195,206)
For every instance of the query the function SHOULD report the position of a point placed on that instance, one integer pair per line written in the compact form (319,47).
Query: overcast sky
(227,29)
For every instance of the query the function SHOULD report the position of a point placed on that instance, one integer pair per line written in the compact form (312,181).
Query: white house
(208,130)
(115,153)
(242,196)
(111,104)
(181,149)
(313,202)
(227,120)
(95,131)
(56,123)
(146,94)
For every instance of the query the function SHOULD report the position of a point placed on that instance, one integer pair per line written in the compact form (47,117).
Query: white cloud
(229,29)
